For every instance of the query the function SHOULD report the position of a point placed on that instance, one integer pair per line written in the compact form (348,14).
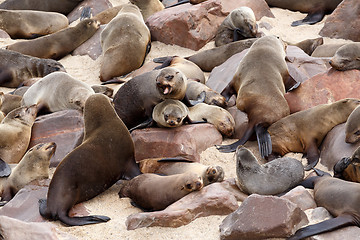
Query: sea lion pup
(327,50)
(125,42)
(260,88)
(33,23)
(59,44)
(33,166)
(316,9)
(15,132)
(347,57)
(135,100)
(148,7)
(239,24)
(105,156)
(171,166)
(152,192)
(15,68)
(348,168)
(57,91)
(305,130)
(352,127)
(341,198)
(308,45)
(190,69)
(271,178)
(219,117)
(170,113)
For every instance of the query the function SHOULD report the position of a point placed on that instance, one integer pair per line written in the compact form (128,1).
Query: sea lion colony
(108,121)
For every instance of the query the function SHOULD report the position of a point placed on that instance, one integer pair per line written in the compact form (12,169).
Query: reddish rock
(91,47)
(64,128)
(344,22)
(323,88)
(261,217)
(187,141)
(96,6)
(301,197)
(241,121)
(214,199)
(192,26)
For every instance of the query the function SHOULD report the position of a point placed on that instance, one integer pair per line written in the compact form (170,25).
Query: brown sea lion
(33,23)
(259,84)
(348,168)
(327,50)
(57,91)
(148,7)
(170,113)
(305,130)
(103,89)
(347,57)
(58,44)
(125,42)
(15,132)
(105,156)
(195,89)
(107,15)
(352,127)
(9,102)
(152,192)
(171,166)
(33,166)
(316,9)
(15,68)
(309,45)
(135,100)
(238,25)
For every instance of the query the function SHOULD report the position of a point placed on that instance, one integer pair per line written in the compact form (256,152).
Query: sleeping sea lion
(347,57)
(308,45)
(105,156)
(327,50)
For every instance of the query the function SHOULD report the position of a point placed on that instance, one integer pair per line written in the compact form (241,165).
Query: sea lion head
(90,24)
(24,115)
(243,19)
(213,98)
(215,174)
(340,166)
(171,83)
(352,127)
(193,182)
(346,57)
(173,116)
(53,66)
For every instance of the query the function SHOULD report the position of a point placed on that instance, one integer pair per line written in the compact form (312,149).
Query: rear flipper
(311,18)
(114,80)
(242,141)
(5,169)
(264,141)
(85,13)
(165,61)
(175,159)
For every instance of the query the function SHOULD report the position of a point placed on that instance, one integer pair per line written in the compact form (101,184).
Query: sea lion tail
(264,141)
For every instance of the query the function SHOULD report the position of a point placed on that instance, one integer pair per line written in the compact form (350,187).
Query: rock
(323,88)
(64,128)
(214,199)
(187,141)
(241,121)
(91,47)
(301,197)
(317,215)
(4,34)
(334,147)
(192,26)
(261,217)
(344,22)
(96,6)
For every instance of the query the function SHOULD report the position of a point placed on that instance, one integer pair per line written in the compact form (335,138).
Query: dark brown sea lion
(58,44)
(348,168)
(352,127)
(15,68)
(105,156)
(347,57)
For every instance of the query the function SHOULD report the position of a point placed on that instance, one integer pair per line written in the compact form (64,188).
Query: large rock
(91,47)
(64,128)
(241,121)
(344,22)
(301,197)
(96,6)
(323,88)
(187,141)
(192,26)
(261,217)
(214,199)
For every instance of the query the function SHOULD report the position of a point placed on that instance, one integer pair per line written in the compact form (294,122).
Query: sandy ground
(108,203)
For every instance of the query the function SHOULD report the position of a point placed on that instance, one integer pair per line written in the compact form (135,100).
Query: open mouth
(165,89)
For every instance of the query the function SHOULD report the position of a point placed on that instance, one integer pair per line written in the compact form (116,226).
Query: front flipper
(175,159)
(114,80)
(311,18)
(242,141)
(5,169)
(147,123)
(200,99)
(165,61)
(264,141)
(85,13)
(312,154)
(238,34)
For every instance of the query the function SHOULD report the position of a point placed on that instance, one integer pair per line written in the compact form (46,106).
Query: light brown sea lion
(195,90)
(107,15)
(171,166)
(309,45)
(148,7)
(15,68)
(170,113)
(103,89)
(15,132)
(259,84)
(352,127)
(348,168)
(57,91)
(316,9)
(33,166)
(105,156)
(135,100)
(58,44)
(238,25)
(125,42)
(152,192)
(33,23)
(347,57)
(9,102)
(305,130)
(327,50)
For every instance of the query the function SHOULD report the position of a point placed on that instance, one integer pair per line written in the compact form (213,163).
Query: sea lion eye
(188,186)
(169,77)
(178,119)
(357,132)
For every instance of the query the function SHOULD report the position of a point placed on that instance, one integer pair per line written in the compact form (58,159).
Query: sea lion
(152,192)
(2,114)
(170,113)
(9,102)
(148,7)
(260,86)
(103,89)
(15,68)
(348,168)
(305,130)
(316,9)
(171,166)
(33,23)
(346,57)
(57,91)
(308,45)
(327,50)
(271,178)
(135,100)
(15,132)
(125,42)
(352,127)
(238,25)
(59,44)
(33,166)
(107,15)
(185,1)
(341,198)
(219,117)
(105,156)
